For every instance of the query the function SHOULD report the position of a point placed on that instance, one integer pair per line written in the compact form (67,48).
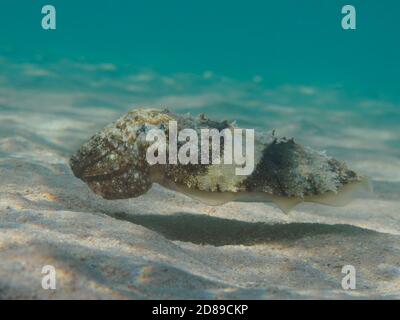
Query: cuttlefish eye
(109,168)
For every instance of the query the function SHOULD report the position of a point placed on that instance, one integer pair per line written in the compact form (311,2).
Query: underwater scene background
(284,65)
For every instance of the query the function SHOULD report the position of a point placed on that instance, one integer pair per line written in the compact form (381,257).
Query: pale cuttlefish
(114,165)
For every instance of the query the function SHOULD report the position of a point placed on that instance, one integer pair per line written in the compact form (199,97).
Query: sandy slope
(165,245)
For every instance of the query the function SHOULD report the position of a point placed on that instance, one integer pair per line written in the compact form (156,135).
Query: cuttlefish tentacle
(113,163)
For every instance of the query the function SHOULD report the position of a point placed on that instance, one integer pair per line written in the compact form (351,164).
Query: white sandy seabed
(165,245)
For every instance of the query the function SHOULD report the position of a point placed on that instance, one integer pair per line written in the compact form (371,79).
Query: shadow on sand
(203,229)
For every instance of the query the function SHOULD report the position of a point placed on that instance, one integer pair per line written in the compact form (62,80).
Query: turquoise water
(298,42)
(286,53)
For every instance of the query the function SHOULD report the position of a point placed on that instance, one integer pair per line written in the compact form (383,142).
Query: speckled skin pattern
(113,162)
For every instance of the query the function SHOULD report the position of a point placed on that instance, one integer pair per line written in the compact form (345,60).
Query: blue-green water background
(267,47)
(284,41)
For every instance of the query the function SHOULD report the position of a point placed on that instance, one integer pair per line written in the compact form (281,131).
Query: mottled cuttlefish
(113,163)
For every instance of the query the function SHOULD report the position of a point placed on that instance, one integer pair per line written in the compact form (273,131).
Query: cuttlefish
(113,163)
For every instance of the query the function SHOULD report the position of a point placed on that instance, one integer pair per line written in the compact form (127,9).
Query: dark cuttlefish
(113,163)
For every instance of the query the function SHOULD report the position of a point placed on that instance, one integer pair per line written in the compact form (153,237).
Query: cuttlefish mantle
(113,163)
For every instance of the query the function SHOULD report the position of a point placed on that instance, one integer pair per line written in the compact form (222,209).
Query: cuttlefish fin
(217,199)
(285,204)
(344,196)
(208,198)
